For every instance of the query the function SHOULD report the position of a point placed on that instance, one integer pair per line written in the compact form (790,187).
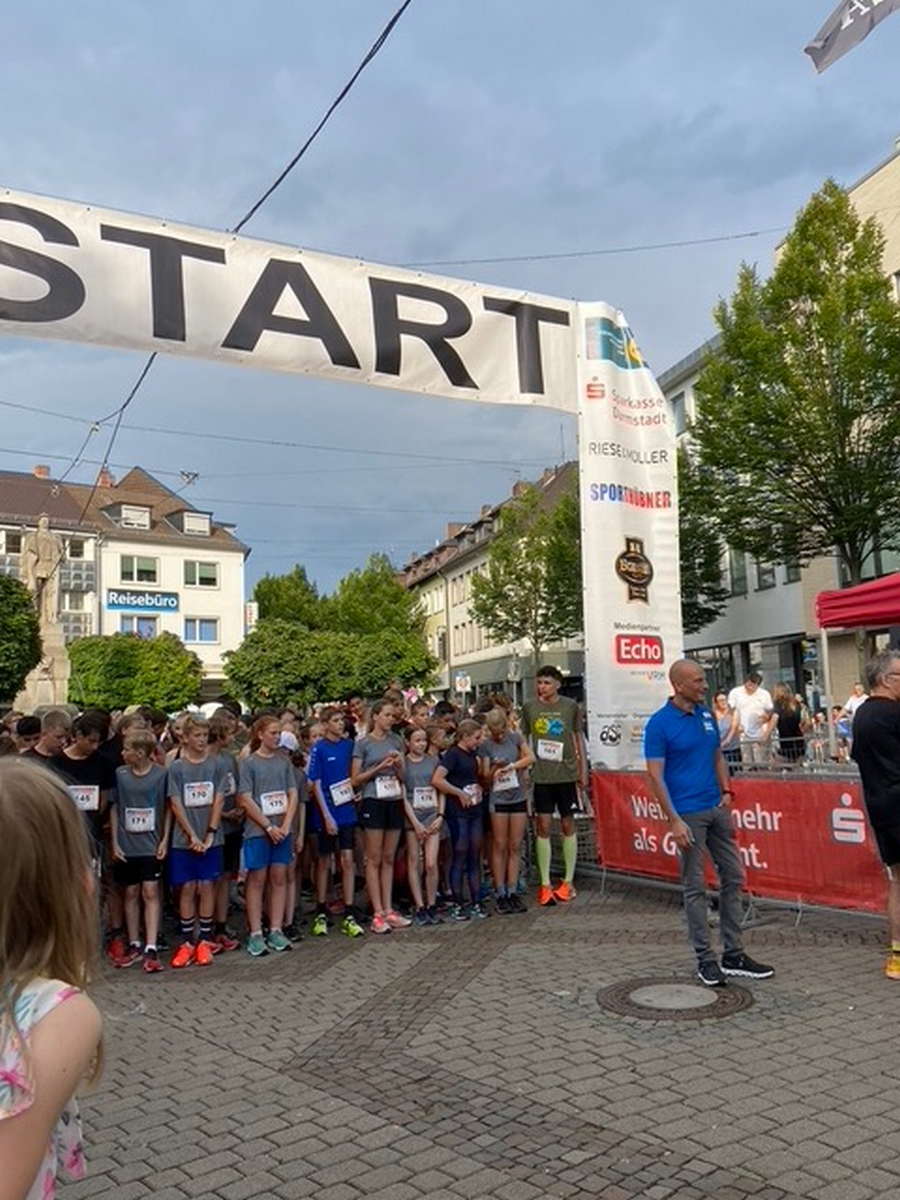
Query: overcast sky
(484,128)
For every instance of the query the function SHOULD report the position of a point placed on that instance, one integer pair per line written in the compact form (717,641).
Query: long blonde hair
(48,907)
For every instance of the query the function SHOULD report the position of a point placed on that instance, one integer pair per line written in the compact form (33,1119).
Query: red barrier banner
(800,839)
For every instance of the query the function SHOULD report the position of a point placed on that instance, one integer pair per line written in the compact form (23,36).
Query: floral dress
(64,1158)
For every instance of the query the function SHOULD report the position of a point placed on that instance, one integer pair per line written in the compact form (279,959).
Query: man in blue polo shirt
(689,778)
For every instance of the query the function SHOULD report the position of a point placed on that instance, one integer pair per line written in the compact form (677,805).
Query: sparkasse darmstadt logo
(635,570)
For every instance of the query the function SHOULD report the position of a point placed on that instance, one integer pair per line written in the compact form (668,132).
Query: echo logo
(639,650)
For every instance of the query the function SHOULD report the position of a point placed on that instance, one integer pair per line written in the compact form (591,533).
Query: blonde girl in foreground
(49,1029)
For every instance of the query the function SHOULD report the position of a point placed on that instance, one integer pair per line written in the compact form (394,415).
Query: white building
(138,559)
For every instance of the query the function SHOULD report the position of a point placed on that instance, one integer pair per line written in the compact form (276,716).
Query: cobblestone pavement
(474,1061)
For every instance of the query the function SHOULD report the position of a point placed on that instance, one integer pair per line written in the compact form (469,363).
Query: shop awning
(867,604)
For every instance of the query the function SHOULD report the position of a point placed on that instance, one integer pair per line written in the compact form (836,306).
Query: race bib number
(198,795)
(86,796)
(550,751)
(273,804)
(387,787)
(140,820)
(473,791)
(342,793)
(424,798)
(506,780)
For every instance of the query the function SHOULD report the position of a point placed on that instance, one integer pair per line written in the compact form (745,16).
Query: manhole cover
(673,1000)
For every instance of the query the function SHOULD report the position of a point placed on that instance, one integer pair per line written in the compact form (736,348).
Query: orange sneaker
(564,892)
(203,955)
(545,897)
(184,955)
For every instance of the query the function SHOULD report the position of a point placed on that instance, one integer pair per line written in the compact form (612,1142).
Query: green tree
(703,595)
(381,657)
(800,407)
(529,588)
(290,597)
(20,638)
(103,670)
(372,600)
(168,674)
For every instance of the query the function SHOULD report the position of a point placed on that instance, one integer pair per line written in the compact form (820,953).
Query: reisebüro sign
(142,601)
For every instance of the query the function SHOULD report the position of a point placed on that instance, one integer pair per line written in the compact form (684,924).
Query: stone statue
(42,553)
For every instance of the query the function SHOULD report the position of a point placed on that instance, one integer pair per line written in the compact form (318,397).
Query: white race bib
(140,820)
(199,795)
(474,792)
(506,780)
(273,804)
(342,792)
(550,751)
(86,796)
(424,798)
(387,787)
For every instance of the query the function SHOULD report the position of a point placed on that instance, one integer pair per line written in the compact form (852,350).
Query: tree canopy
(703,594)
(372,600)
(290,597)
(20,638)
(114,671)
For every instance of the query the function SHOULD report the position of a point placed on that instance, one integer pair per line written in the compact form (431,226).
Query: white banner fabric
(629,551)
(85,274)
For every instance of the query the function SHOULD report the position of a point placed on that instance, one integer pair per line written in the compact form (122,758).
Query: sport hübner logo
(635,569)
(609,342)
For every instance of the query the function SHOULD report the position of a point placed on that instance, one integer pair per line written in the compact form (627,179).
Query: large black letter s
(66,291)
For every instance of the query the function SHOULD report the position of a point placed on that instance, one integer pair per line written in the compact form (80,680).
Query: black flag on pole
(850,23)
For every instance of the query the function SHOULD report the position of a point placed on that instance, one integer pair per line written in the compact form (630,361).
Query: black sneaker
(517,904)
(293,933)
(710,973)
(503,905)
(434,916)
(740,963)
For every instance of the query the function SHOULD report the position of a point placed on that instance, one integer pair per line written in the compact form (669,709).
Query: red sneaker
(115,950)
(545,897)
(128,957)
(225,942)
(152,962)
(184,955)
(564,892)
(203,955)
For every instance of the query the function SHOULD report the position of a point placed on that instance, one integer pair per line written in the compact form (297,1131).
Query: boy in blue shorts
(333,818)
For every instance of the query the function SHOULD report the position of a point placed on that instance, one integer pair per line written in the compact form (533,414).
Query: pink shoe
(379,924)
(396,921)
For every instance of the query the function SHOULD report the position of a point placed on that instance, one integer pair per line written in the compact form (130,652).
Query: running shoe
(214,947)
(256,945)
(738,963)
(293,933)
(320,926)
(456,912)
(380,925)
(564,892)
(517,904)
(116,950)
(152,962)
(351,927)
(225,941)
(277,941)
(204,954)
(892,964)
(130,956)
(434,916)
(711,974)
(545,897)
(503,906)
(361,918)
(395,921)
(478,912)
(184,955)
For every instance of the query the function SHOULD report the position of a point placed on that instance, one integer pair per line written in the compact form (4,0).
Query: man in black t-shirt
(876,751)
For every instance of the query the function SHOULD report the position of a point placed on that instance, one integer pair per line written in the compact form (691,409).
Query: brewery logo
(635,570)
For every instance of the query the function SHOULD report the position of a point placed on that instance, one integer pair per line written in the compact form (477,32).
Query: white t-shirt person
(754,708)
(854,700)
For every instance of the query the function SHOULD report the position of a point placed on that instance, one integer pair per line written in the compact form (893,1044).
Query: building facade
(138,559)
(471,663)
(769,623)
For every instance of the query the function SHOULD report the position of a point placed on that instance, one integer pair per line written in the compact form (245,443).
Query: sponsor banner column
(629,513)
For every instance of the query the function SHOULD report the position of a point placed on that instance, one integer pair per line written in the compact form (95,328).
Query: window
(765,576)
(194,522)
(72,602)
(13,542)
(134,516)
(737,569)
(133,568)
(679,413)
(201,629)
(144,627)
(76,548)
(792,572)
(201,574)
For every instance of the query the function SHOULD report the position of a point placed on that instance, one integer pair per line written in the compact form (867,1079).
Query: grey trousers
(713,834)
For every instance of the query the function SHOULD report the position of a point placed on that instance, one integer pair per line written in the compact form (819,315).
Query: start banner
(800,840)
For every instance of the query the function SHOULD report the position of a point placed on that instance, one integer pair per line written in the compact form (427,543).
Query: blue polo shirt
(686,742)
(329,762)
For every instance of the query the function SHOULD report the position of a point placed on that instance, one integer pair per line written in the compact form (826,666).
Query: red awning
(870,604)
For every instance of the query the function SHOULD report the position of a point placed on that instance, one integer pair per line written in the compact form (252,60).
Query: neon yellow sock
(570,855)
(895,947)
(542,854)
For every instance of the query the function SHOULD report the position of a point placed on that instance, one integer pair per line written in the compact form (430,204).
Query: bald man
(689,778)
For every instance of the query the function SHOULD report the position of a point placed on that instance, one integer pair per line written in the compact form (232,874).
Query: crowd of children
(200,818)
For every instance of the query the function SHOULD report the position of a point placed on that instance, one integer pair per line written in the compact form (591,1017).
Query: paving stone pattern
(474,1062)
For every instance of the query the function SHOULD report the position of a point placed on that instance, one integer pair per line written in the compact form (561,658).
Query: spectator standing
(753,711)
(790,724)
